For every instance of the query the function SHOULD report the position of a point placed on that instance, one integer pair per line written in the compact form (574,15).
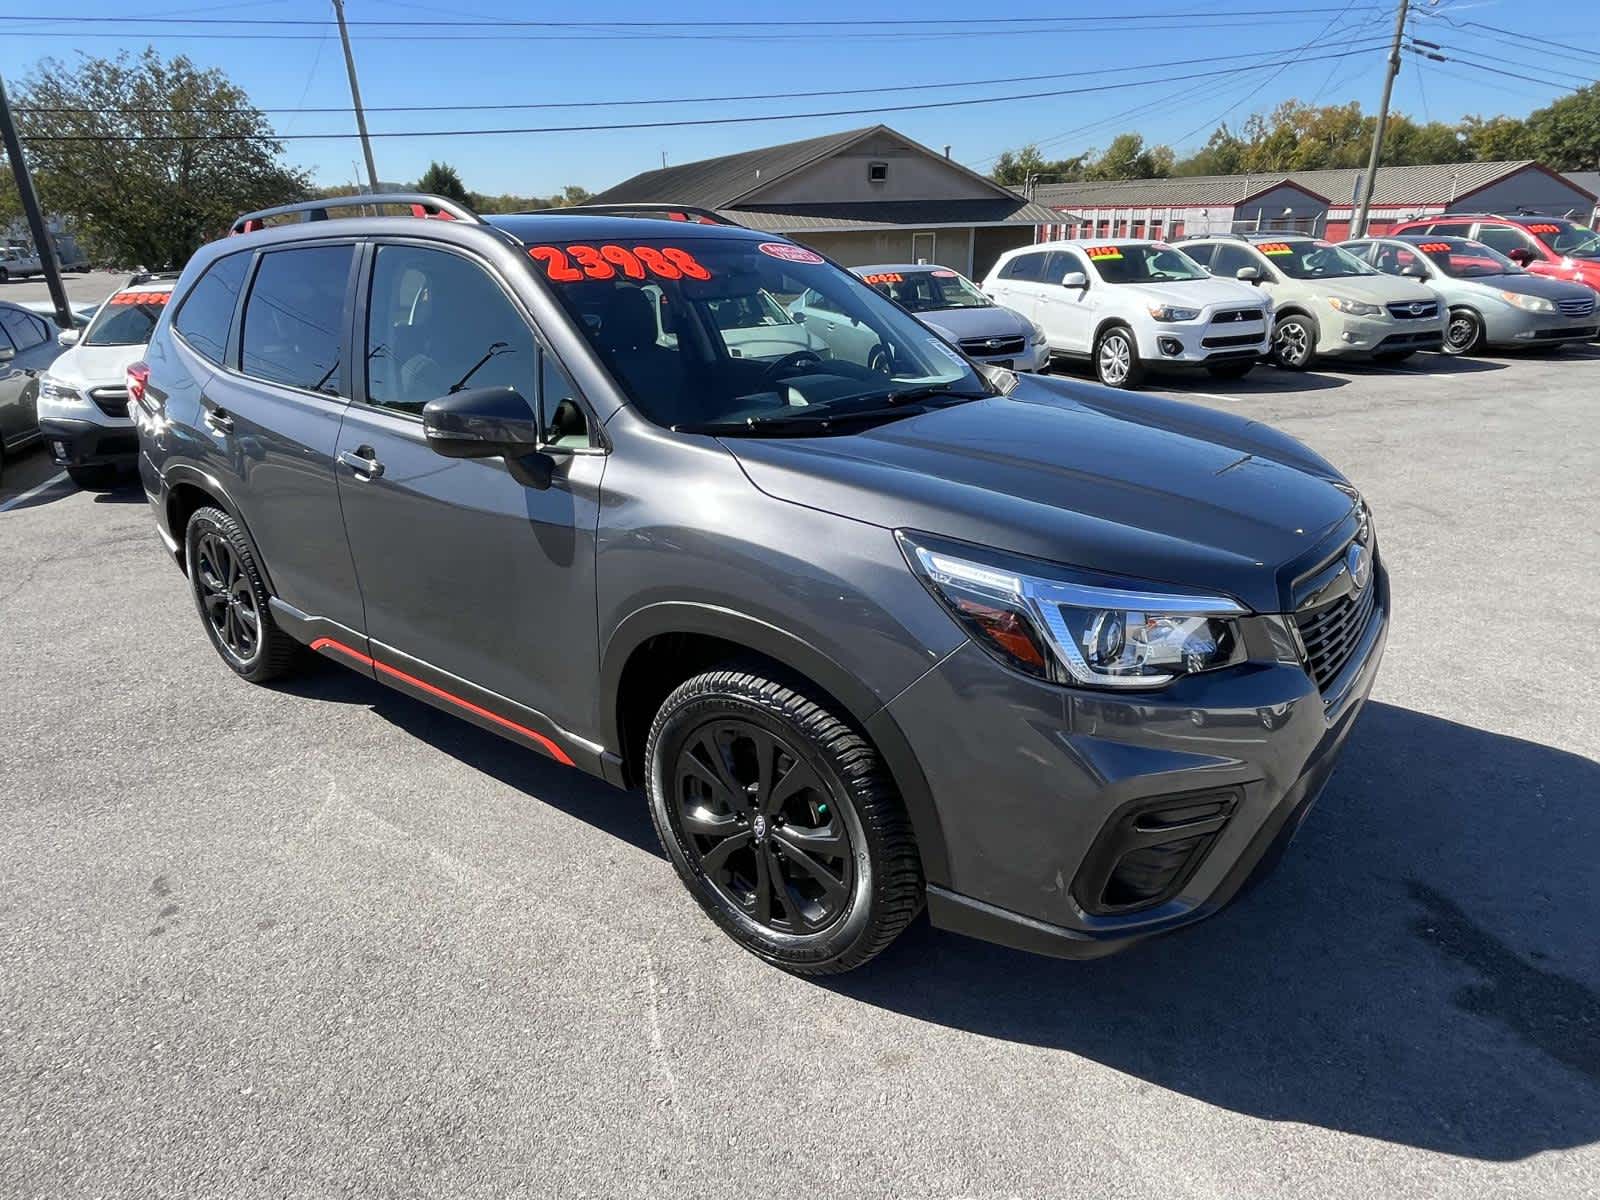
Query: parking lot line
(33,491)
(1215,396)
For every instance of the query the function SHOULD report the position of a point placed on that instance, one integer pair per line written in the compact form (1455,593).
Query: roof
(529,228)
(729,183)
(1588,181)
(1422,186)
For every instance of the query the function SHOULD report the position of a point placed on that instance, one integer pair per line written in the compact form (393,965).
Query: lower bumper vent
(1149,850)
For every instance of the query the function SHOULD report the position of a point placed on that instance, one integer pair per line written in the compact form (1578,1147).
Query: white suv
(83,398)
(1130,305)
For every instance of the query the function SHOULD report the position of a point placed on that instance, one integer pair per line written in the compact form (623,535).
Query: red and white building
(1319,202)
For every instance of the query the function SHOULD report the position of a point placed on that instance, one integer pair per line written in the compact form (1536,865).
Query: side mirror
(1248,274)
(1414,271)
(1522,256)
(489,422)
(68,337)
(1074,279)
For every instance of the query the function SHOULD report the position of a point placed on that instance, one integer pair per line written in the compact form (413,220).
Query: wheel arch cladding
(659,647)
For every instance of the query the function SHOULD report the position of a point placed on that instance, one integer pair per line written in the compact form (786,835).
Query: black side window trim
(366,261)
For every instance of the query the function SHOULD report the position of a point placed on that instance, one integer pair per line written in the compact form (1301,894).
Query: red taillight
(138,377)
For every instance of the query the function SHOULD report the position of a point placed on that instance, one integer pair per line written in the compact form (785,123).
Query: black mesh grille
(1235,339)
(1331,633)
(113,401)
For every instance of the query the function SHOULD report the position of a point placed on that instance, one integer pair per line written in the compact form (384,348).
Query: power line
(705,121)
(1478,66)
(790,95)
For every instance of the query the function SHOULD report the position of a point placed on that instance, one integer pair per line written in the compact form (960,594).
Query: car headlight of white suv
(1354,308)
(52,391)
(1167,313)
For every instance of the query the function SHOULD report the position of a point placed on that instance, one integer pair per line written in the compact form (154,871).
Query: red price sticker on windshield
(789,252)
(885,277)
(1100,253)
(581,261)
(1275,248)
(141,298)
(1544,229)
(943,274)
(1435,247)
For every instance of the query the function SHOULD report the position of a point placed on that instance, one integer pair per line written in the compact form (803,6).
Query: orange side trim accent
(555,751)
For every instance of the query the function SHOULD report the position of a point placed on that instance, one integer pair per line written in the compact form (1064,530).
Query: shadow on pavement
(1421,969)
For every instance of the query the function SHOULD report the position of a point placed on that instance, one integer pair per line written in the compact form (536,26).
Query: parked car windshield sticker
(140,298)
(604,262)
(789,253)
(1275,248)
(1435,247)
(943,274)
(1099,253)
(1544,229)
(883,277)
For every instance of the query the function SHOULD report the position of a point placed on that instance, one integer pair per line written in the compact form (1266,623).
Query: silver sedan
(1492,301)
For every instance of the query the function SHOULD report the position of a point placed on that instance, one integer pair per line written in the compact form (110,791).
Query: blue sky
(305,68)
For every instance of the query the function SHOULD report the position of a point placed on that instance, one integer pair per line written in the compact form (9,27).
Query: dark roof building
(1322,202)
(863,196)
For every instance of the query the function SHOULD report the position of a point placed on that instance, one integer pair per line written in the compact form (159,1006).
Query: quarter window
(1025,267)
(1230,259)
(25,330)
(438,324)
(207,311)
(293,319)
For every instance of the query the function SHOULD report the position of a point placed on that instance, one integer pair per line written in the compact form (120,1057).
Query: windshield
(1567,239)
(927,291)
(127,319)
(729,335)
(1306,259)
(1461,259)
(1144,263)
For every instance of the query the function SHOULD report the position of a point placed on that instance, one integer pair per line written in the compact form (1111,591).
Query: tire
(1393,356)
(5,275)
(1464,334)
(864,883)
(231,599)
(97,478)
(1294,342)
(1231,370)
(878,361)
(1116,359)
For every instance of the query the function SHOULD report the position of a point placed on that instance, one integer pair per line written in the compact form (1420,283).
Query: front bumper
(1198,344)
(1030,780)
(78,443)
(1519,328)
(1362,337)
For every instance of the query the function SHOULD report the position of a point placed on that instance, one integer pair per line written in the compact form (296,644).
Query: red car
(1550,246)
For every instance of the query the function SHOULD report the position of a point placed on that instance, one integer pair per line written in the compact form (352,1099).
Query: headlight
(52,392)
(1536,304)
(1038,332)
(1167,312)
(1054,624)
(1355,308)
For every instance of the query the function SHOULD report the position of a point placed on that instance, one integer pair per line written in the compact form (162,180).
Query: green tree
(149,157)
(1127,157)
(1497,139)
(1013,169)
(1566,135)
(441,179)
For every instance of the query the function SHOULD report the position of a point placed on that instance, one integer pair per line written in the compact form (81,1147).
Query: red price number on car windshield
(1099,252)
(1544,229)
(1435,247)
(141,297)
(883,277)
(570,264)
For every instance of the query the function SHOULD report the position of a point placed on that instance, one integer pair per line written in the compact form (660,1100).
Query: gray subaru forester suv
(870,630)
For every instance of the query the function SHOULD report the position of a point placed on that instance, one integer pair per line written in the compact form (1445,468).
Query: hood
(1526,285)
(1110,481)
(958,323)
(1199,293)
(1374,289)
(95,366)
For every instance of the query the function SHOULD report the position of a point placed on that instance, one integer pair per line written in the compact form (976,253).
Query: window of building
(877,172)
(207,312)
(293,319)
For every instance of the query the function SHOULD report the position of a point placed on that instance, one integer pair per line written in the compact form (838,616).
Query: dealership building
(1319,202)
(863,196)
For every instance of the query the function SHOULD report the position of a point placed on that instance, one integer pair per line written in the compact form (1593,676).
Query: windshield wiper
(817,422)
(928,391)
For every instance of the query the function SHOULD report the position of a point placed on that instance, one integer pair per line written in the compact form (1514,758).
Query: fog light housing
(1170,346)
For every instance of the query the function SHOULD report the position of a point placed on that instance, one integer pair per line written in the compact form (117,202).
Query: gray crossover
(871,630)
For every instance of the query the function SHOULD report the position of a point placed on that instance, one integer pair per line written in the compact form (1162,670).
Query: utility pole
(355,95)
(30,206)
(1358,227)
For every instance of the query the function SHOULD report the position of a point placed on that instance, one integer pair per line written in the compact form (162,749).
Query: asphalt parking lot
(319,939)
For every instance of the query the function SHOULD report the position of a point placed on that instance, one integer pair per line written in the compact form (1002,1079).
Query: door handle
(363,461)
(218,419)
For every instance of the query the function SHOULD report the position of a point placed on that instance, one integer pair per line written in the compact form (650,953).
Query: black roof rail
(139,277)
(673,212)
(421,204)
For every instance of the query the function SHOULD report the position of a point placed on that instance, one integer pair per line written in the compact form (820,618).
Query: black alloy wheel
(781,820)
(232,599)
(756,822)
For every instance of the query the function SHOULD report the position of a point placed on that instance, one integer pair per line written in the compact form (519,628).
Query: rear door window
(207,312)
(1230,259)
(25,330)
(1025,268)
(294,318)
(1451,228)
(1504,238)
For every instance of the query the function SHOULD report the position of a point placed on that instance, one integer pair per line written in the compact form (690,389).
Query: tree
(158,156)
(441,179)
(1013,170)
(1127,157)
(1566,135)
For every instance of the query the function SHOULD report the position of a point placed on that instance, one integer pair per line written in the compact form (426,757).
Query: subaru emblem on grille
(1358,561)
(996,343)
(1418,309)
